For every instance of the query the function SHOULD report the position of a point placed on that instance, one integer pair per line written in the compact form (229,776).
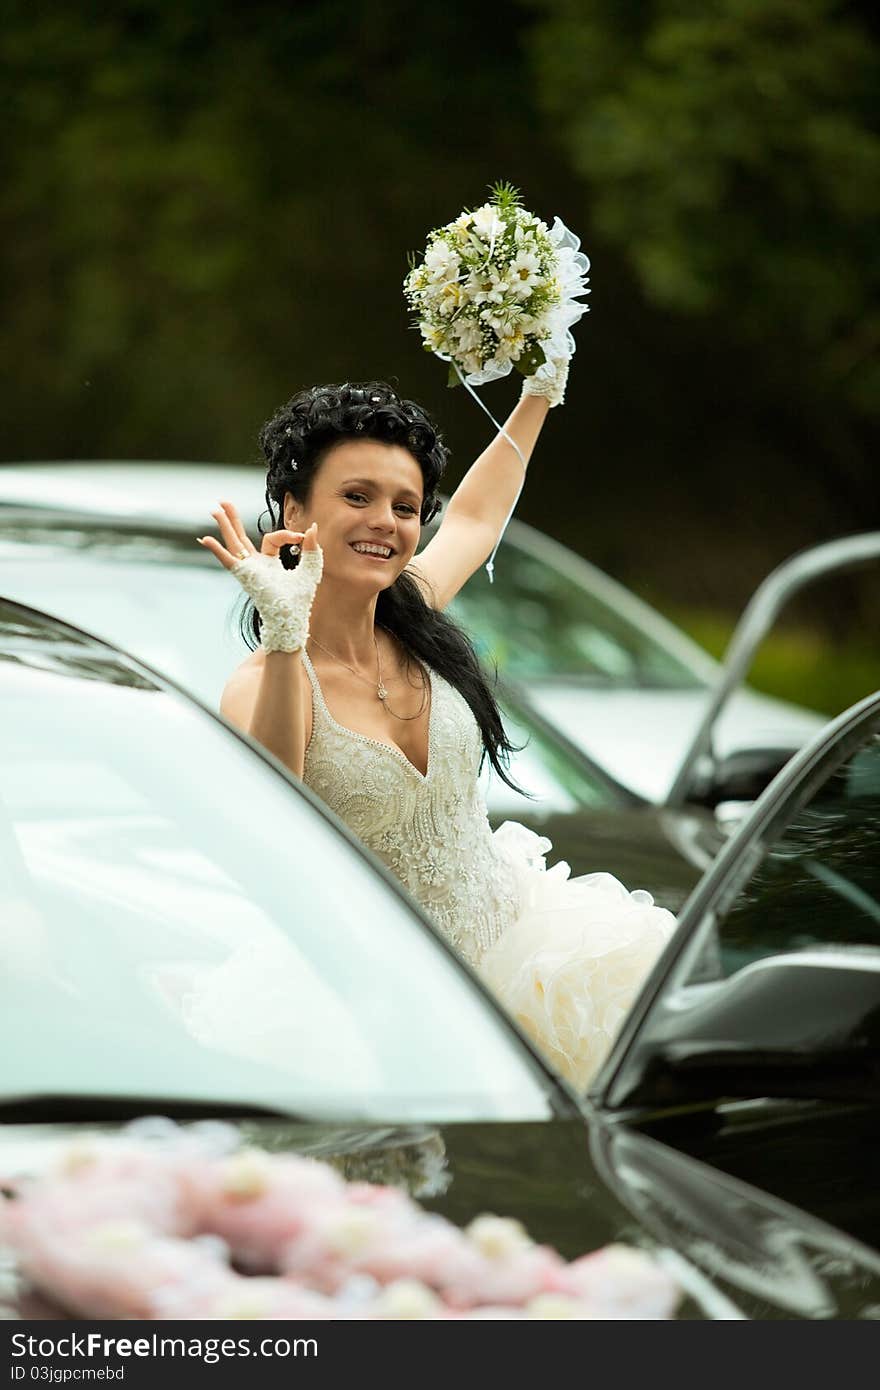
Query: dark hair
(295,442)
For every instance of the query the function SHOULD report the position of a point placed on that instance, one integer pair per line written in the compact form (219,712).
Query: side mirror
(741,775)
(692,781)
(802,1024)
(730,814)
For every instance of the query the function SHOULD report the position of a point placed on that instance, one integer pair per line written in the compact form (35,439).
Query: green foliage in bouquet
(484,290)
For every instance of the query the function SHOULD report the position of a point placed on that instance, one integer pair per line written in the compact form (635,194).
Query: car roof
(165,492)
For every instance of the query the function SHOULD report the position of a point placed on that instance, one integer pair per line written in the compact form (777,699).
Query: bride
(370,694)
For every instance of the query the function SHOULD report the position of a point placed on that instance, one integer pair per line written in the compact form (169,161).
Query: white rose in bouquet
(497,288)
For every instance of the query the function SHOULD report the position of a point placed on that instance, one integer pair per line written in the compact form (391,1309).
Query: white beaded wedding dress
(566,956)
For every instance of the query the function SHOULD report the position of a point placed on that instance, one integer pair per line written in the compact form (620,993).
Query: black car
(151,857)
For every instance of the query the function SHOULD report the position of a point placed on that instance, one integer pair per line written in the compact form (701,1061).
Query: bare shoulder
(247,673)
(241,692)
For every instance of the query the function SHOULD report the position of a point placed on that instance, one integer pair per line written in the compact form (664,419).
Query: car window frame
(808,769)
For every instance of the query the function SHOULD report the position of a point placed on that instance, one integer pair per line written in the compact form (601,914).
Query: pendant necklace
(381,689)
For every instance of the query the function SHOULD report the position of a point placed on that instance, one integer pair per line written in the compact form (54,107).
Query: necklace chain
(381,688)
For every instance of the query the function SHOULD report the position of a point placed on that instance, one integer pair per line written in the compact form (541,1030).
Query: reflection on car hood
(641,736)
(737,1252)
(772,1259)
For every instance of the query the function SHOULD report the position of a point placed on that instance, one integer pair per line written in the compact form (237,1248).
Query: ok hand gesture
(283,597)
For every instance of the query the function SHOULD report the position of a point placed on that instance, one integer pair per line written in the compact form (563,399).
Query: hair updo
(298,436)
(295,442)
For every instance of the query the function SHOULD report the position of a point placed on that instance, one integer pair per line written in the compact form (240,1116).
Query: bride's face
(364,493)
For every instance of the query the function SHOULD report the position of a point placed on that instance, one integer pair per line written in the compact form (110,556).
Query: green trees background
(207,206)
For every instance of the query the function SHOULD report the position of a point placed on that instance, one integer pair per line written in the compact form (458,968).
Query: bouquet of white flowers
(497,288)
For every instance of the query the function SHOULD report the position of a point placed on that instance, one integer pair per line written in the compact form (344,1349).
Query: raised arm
(480,505)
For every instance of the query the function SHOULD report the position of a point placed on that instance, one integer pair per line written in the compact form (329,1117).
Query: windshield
(176,920)
(537,621)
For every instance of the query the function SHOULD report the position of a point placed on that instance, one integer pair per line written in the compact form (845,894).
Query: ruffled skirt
(570,966)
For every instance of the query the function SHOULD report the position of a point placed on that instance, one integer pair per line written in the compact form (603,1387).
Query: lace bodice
(432,831)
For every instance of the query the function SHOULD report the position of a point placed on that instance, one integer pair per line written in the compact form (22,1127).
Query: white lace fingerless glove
(549,381)
(283,597)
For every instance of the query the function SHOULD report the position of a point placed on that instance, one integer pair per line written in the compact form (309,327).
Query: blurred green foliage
(733,153)
(795,663)
(207,206)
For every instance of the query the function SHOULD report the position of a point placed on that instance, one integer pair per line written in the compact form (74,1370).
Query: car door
(755,1044)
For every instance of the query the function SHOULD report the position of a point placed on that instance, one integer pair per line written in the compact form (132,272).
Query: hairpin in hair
(288,430)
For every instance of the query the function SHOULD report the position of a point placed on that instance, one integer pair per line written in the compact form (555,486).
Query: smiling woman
(359,467)
(375,698)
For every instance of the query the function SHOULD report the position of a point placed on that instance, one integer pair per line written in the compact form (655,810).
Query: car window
(817,880)
(535,621)
(560,782)
(175,918)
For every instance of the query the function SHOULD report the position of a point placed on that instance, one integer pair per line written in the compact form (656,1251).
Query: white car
(620,681)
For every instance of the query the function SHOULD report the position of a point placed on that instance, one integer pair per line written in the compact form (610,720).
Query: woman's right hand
(283,597)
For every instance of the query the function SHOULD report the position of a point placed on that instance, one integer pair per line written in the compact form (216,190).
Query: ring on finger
(242,555)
